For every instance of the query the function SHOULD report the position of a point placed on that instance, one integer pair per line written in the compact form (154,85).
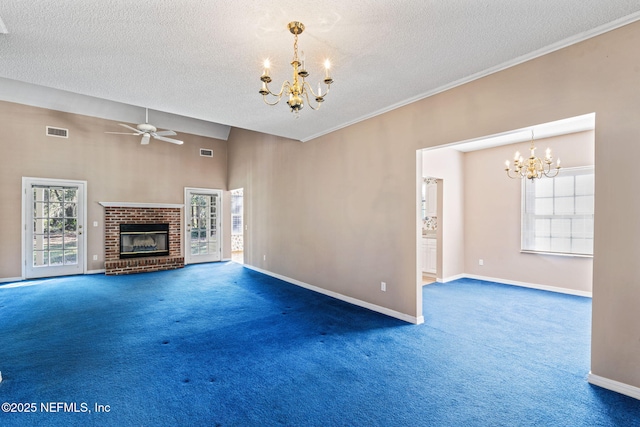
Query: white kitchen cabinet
(429,255)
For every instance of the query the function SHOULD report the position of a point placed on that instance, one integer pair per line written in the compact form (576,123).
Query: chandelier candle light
(299,90)
(533,167)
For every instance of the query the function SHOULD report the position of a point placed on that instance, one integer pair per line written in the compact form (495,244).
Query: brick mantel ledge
(140,205)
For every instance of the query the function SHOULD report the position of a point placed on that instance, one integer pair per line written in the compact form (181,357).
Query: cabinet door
(431,254)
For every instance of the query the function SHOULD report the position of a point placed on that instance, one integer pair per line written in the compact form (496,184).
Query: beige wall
(339,212)
(116,168)
(492,217)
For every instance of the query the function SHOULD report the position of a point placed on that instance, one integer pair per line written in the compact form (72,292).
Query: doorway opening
(237,225)
(479,209)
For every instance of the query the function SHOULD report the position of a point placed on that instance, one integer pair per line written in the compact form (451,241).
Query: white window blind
(557,214)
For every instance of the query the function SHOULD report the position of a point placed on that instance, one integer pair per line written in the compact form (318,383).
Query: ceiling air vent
(206,152)
(58,132)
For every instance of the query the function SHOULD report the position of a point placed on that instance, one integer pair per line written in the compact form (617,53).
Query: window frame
(528,231)
(237,218)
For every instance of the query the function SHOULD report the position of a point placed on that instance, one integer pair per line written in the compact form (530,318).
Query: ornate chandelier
(533,167)
(299,90)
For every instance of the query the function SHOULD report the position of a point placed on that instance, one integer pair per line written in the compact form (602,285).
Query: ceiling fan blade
(123,133)
(145,139)
(165,133)
(171,140)
(130,128)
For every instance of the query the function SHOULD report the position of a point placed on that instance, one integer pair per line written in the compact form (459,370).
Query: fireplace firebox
(144,240)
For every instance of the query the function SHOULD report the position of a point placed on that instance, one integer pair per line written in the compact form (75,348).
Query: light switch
(95,223)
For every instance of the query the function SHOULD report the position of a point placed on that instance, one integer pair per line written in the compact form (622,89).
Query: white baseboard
(20,279)
(350,300)
(531,285)
(618,387)
(451,278)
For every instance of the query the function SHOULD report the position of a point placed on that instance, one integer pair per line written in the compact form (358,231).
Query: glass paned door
(203,225)
(53,228)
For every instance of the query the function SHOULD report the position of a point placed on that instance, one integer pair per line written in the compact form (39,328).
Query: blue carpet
(221,345)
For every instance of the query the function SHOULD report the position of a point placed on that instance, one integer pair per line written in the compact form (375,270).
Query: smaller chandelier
(533,167)
(299,90)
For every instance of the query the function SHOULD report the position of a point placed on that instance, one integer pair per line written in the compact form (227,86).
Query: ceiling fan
(147,131)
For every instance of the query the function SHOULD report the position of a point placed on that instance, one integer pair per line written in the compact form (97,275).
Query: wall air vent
(206,152)
(57,132)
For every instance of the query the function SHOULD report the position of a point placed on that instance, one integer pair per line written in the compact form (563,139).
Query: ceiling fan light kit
(147,131)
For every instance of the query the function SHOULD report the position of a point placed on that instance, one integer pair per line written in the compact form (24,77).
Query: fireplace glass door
(203,225)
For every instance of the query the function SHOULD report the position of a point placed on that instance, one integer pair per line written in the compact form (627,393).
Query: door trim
(185,222)
(26,184)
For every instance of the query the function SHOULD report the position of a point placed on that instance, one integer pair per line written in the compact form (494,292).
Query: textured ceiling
(203,59)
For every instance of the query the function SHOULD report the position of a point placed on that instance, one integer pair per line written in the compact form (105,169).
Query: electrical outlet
(480,262)
(95,223)
(95,257)
(383,286)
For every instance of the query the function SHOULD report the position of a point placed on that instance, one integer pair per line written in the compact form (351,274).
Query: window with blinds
(557,214)
(236,212)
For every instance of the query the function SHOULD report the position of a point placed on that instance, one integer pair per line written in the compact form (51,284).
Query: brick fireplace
(117,213)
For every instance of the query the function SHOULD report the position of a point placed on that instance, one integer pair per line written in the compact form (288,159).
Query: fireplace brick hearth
(131,214)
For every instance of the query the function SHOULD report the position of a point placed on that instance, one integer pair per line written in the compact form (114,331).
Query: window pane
(56,210)
(71,195)
(55,257)
(41,226)
(41,210)
(542,244)
(543,188)
(70,244)
(70,257)
(564,186)
(55,226)
(236,224)
(40,258)
(71,225)
(543,228)
(40,242)
(584,205)
(585,184)
(582,246)
(582,228)
(564,206)
(70,210)
(194,247)
(560,245)
(544,206)
(561,227)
